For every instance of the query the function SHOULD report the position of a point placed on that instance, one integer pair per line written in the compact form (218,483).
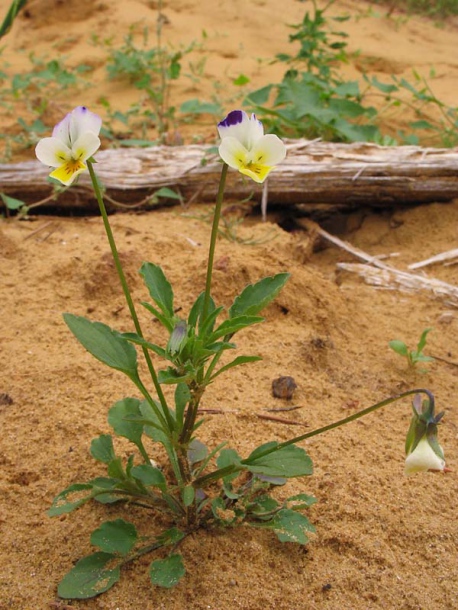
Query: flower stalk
(129,300)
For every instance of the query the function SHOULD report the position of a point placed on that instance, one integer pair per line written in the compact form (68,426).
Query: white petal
(238,125)
(62,130)
(52,152)
(423,458)
(85,146)
(255,132)
(233,152)
(83,120)
(268,150)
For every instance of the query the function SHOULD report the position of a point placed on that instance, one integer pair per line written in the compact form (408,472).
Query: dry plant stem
(166,417)
(223,472)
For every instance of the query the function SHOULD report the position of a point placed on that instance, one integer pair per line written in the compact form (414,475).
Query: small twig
(50,232)
(293,408)
(281,420)
(217,411)
(35,231)
(445,360)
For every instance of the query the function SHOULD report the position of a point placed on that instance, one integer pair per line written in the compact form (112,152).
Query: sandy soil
(383,540)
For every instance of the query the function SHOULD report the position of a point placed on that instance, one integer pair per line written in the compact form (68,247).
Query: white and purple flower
(74,140)
(245,147)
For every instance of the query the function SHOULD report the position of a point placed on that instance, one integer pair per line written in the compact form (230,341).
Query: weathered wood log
(314,175)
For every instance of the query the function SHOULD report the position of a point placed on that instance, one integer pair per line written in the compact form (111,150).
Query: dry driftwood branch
(376,272)
(314,173)
(409,282)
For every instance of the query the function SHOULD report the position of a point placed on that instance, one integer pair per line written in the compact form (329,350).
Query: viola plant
(194,487)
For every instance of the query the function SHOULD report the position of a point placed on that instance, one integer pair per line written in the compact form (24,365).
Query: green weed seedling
(315,101)
(151,68)
(413,356)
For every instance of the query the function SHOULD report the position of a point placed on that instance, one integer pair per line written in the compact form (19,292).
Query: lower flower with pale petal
(424,458)
(422,447)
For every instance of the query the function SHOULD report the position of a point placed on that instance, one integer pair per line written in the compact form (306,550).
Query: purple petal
(233,118)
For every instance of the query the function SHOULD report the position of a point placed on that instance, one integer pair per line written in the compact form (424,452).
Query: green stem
(114,251)
(214,235)
(227,470)
(191,413)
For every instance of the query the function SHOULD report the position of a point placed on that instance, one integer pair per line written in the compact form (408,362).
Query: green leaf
(167,572)
(421,125)
(228,457)
(346,108)
(105,344)
(422,342)
(116,470)
(165,320)
(159,287)
(256,296)
(195,106)
(11,15)
(71,498)
(263,507)
(89,577)
(102,449)
(289,461)
(383,87)
(170,536)
(182,397)
(241,80)
(12,203)
(170,375)
(289,526)
(116,536)
(188,494)
(197,451)
(127,428)
(260,96)
(106,484)
(168,193)
(235,362)
(149,476)
(134,338)
(399,347)
(300,501)
(233,325)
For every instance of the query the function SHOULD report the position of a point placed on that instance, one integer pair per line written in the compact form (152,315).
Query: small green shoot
(413,356)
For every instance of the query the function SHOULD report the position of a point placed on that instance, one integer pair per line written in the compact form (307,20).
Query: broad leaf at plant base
(116,536)
(288,525)
(167,572)
(289,461)
(90,577)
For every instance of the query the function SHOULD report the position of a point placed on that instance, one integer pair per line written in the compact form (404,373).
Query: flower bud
(177,338)
(422,447)
(424,458)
